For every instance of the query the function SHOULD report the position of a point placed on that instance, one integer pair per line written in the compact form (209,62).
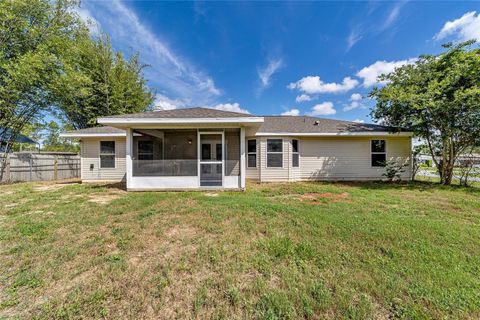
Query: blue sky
(269,58)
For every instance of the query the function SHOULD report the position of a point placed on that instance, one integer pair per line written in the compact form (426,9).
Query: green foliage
(394,170)
(438,98)
(100,82)
(36,37)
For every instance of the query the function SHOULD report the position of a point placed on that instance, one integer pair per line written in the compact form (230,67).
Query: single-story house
(199,148)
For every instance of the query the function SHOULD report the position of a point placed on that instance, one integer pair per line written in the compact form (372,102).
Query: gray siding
(90,152)
(348,158)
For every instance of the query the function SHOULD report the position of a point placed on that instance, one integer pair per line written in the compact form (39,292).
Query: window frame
(100,154)
(252,153)
(375,152)
(297,153)
(274,152)
(144,153)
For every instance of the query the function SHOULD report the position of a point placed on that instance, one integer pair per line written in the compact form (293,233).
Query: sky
(272,58)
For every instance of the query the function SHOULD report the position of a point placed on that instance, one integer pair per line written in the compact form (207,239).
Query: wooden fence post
(7,168)
(31,166)
(55,168)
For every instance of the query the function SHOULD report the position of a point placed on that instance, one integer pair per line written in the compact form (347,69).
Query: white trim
(92,135)
(242,158)
(128,157)
(95,135)
(133,121)
(330,134)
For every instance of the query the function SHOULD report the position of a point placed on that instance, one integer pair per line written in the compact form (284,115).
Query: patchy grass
(277,251)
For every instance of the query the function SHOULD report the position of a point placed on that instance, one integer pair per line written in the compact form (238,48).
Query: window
(379,154)
(295,154)
(107,154)
(145,150)
(252,153)
(274,153)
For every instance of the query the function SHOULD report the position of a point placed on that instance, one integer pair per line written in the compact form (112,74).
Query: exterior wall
(328,158)
(331,158)
(90,152)
(349,158)
(274,174)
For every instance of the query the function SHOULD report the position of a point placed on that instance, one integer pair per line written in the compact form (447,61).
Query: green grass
(276,251)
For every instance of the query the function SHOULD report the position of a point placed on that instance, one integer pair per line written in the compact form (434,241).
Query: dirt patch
(211,194)
(50,187)
(106,198)
(181,233)
(323,198)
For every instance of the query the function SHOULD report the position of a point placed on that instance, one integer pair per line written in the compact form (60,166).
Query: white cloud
(467,27)
(163,102)
(353,37)
(291,112)
(303,98)
(234,107)
(354,102)
(359,121)
(167,71)
(265,74)
(355,97)
(371,73)
(323,109)
(393,15)
(313,84)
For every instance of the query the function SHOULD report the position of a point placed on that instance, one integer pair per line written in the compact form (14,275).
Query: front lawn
(277,251)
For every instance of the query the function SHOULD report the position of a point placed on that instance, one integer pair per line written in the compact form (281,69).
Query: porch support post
(129,151)
(242,158)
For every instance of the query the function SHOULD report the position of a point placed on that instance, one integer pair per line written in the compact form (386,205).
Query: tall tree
(35,37)
(438,98)
(101,82)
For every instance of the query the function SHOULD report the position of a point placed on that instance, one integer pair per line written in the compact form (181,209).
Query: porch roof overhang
(127,122)
(335,134)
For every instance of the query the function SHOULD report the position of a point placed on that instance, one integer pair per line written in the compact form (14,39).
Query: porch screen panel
(164,152)
(232,148)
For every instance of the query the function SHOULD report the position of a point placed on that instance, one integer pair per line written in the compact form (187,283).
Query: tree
(100,82)
(35,39)
(50,63)
(438,98)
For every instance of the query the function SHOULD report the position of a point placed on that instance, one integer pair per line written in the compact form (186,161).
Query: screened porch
(186,158)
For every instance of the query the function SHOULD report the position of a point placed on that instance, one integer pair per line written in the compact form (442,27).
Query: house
(198,148)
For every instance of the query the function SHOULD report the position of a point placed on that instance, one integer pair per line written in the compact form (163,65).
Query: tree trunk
(448,172)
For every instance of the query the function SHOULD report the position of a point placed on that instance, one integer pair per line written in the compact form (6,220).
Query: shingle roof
(186,113)
(97,130)
(271,124)
(306,124)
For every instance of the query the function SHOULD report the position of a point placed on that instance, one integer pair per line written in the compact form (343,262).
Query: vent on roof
(316,123)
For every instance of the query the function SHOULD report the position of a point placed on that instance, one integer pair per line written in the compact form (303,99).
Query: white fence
(23,166)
